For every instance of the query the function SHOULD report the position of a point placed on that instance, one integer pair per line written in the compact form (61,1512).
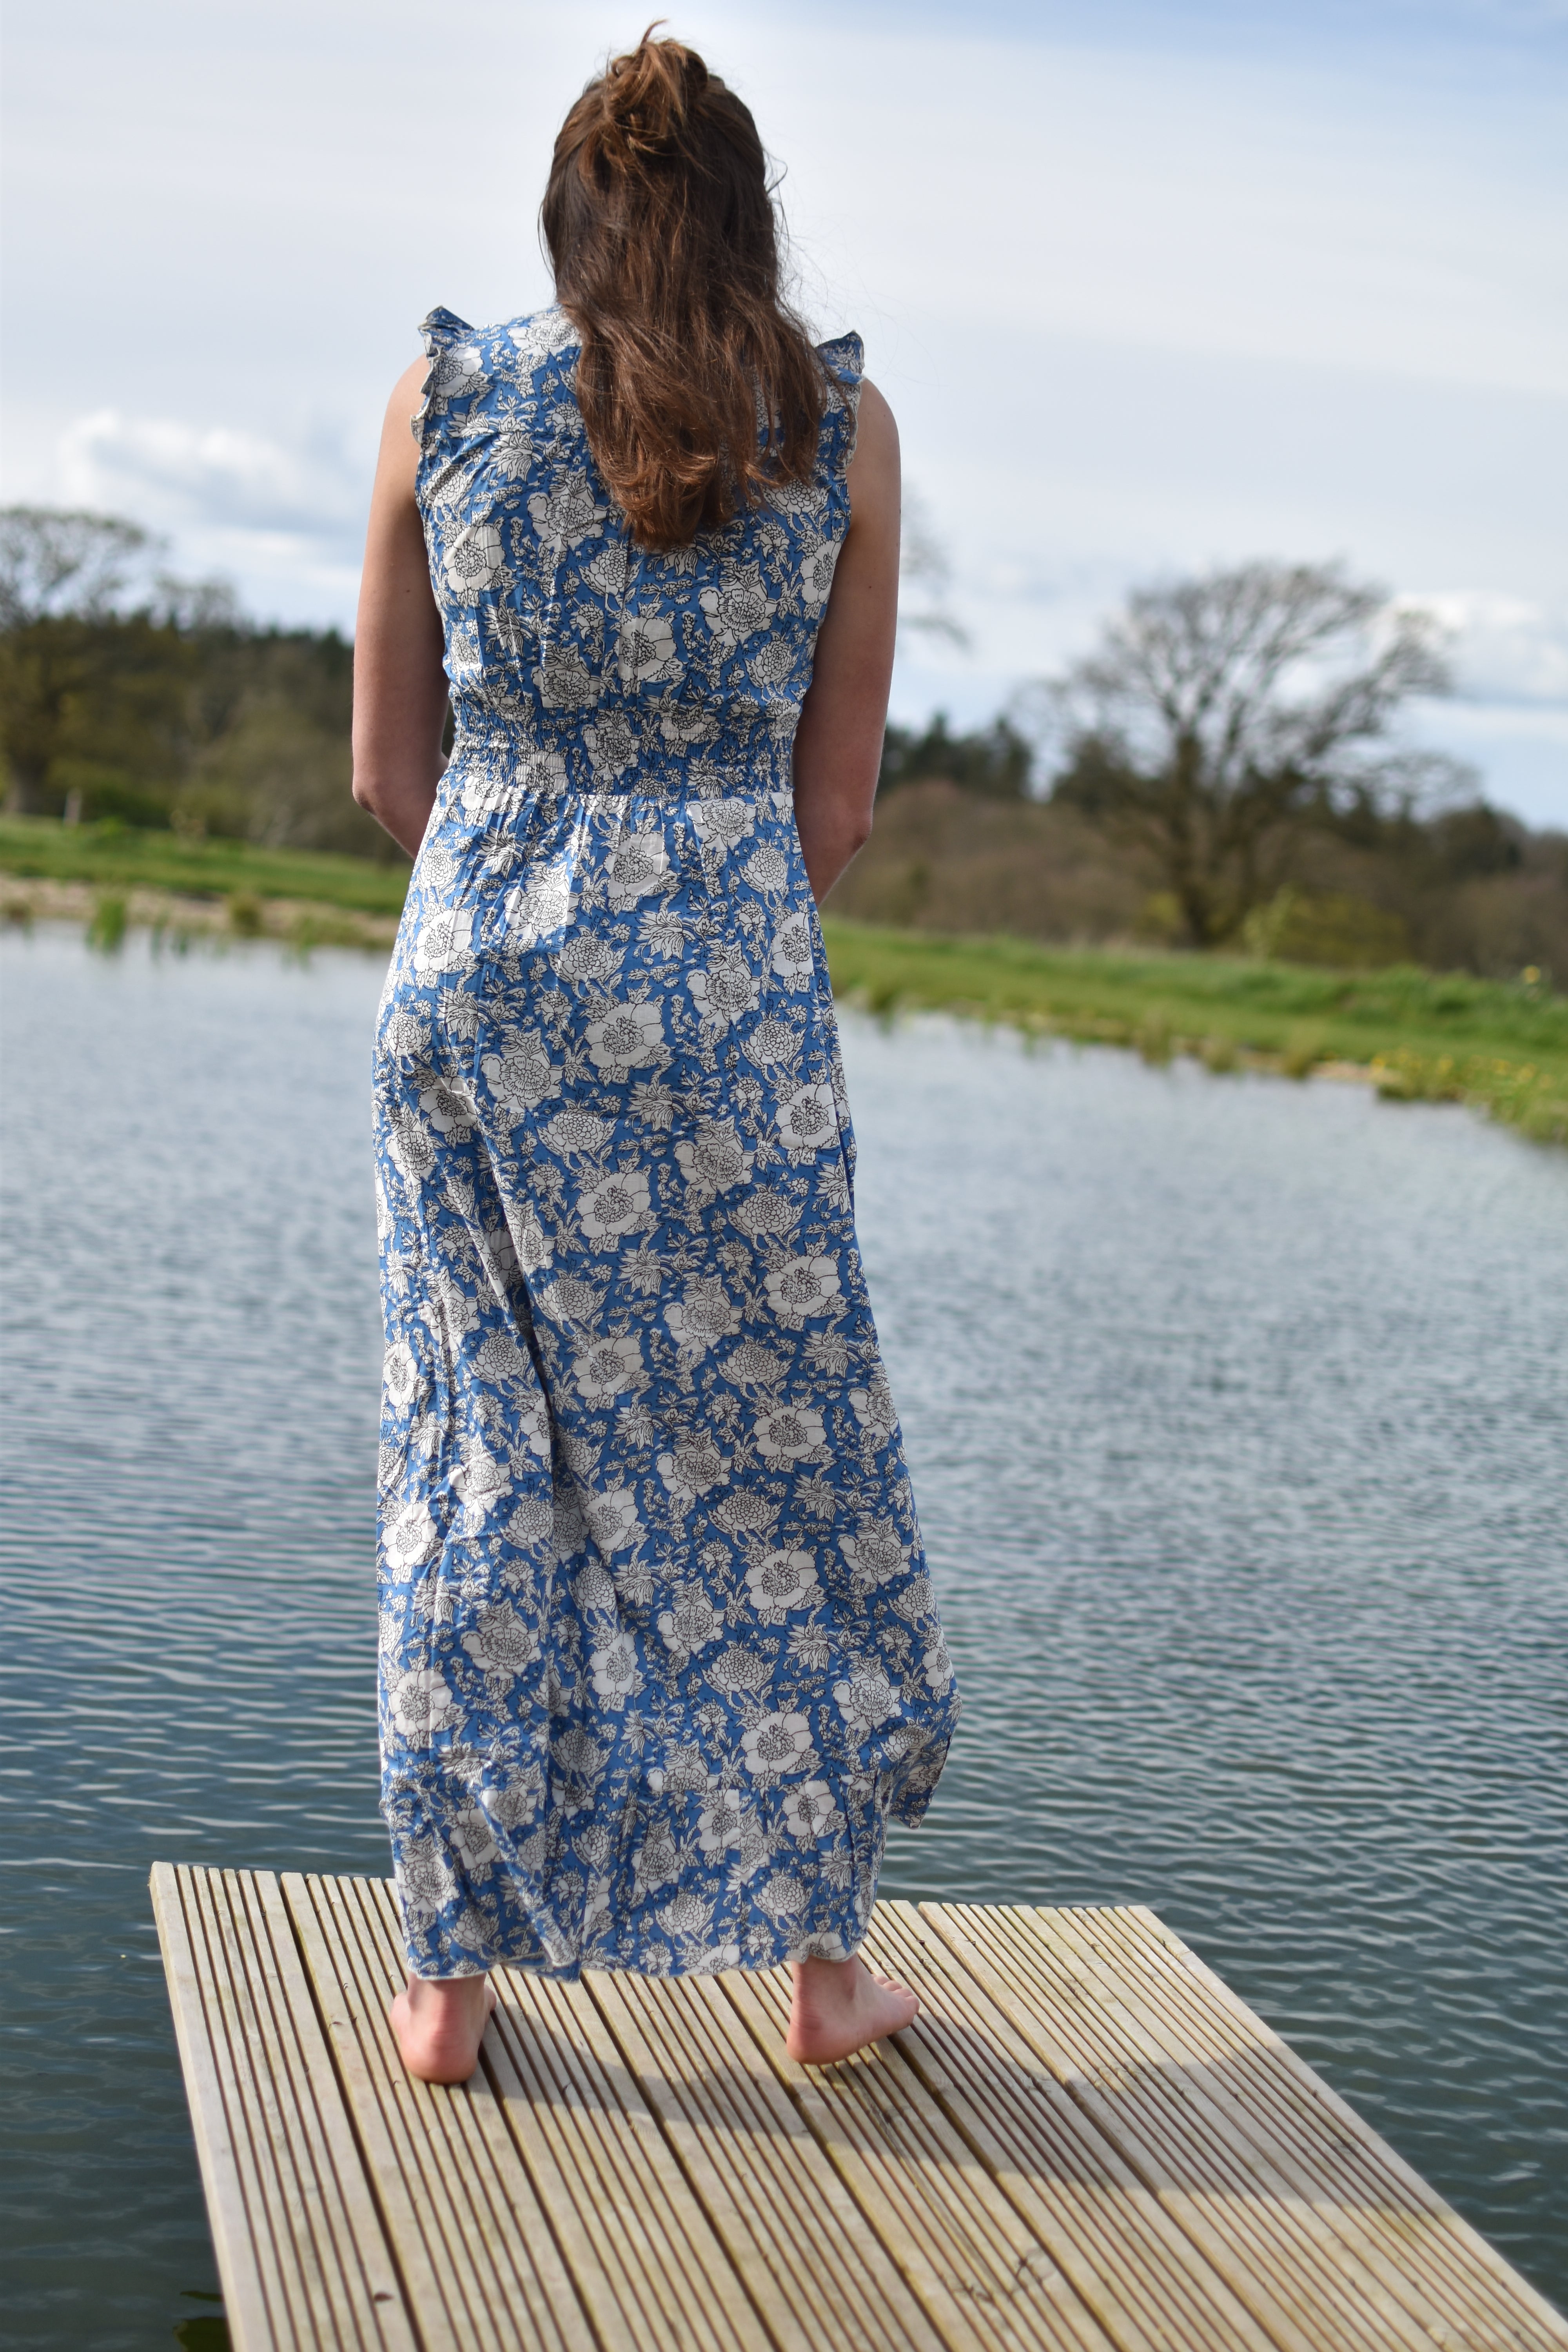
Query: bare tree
(1222,716)
(925,577)
(54,562)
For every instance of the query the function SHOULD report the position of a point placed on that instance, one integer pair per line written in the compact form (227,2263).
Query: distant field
(1420,1035)
(120,858)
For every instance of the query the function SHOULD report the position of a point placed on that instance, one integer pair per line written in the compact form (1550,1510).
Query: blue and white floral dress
(659,1655)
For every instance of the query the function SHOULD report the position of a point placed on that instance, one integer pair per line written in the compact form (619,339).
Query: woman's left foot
(438,2023)
(839,2006)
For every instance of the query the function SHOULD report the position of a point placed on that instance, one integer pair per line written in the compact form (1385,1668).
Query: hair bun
(649,93)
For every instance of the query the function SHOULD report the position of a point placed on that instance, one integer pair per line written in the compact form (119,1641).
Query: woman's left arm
(838,744)
(400,687)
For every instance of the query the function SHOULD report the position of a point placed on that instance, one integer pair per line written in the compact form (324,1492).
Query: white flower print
(607,1369)
(780,1581)
(500,1642)
(564,680)
(937,1667)
(567,514)
(473,563)
(638,864)
(772,1042)
(578,1134)
(540,908)
(444,942)
(873,1407)
(817,567)
(413,1538)
(778,1743)
(807,1121)
(802,1287)
(693,1466)
(480,1480)
(645,652)
(703,1313)
(522,1075)
(612,742)
(586,958)
(614,1668)
(400,1374)
(712,1161)
(789,1433)
(725,991)
(867,1697)
(529,1245)
(422,1706)
(627,1038)
(792,958)
(693,1622)
(810,1812)
(767,869)
(874,1556)
(472,1839)
(614,1207)
(448,1110)
(739,604)
(765,1211)
(723,824)
(719,1822)
(685,725)
(612,1519)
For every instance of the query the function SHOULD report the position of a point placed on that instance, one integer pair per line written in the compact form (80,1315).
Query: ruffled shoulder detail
(844,359)
(440,330)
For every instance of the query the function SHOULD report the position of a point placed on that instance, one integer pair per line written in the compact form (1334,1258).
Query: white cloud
(1503,648)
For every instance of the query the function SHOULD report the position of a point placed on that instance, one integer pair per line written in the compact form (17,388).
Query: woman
(660,1657)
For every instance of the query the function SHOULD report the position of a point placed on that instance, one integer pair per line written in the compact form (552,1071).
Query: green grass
(120,857)
(1425,1036)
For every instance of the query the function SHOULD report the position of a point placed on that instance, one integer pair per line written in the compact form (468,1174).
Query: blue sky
(1149,286)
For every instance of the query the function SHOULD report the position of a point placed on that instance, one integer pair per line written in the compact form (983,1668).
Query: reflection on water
(1238,1419)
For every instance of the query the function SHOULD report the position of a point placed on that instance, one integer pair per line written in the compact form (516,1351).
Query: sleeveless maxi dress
(658,1651)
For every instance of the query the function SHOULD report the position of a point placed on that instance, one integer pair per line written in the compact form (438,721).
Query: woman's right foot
(839,2006)
(439,2024)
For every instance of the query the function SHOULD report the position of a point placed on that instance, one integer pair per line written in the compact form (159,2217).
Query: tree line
(1224,770)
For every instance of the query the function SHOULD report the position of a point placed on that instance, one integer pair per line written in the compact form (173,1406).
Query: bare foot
(841,2005)
(439,2024)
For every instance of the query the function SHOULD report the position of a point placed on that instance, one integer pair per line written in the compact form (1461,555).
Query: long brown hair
(698,387)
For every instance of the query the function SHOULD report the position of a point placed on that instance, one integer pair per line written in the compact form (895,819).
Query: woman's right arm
(400,687)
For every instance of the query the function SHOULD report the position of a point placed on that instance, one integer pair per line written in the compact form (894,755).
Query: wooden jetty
(1085,2142)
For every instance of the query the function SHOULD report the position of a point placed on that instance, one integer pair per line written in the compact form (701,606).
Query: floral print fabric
(658,1651)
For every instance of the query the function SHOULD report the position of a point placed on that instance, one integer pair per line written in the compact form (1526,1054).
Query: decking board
(1085,2144)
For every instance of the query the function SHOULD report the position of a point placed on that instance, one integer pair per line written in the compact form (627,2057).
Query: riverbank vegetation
(1179,846)
(1418,1036)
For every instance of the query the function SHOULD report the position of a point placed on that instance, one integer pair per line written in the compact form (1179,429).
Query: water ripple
(1238,1419)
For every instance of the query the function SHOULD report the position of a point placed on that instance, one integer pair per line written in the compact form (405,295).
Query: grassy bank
(1420,1036)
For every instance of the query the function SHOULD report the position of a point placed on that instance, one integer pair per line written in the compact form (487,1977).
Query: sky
(1152,285)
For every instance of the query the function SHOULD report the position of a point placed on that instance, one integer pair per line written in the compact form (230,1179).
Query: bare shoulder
(399,460)
(873,474)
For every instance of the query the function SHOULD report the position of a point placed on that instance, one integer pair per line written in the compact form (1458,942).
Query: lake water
(1239,1420)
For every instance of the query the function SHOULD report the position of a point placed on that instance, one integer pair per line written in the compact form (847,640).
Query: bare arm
(400,687)
(838,748)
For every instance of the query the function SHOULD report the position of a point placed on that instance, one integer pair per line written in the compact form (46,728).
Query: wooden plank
(1130,2265)
(1086,2143)
(775,2205)
(978,2272)
(216,2119)
(478,2258)
(624,2196)
(301,2254)
(1203,2022)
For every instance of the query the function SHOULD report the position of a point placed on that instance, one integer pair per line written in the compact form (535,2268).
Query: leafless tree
(54,562)
(1222,716)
